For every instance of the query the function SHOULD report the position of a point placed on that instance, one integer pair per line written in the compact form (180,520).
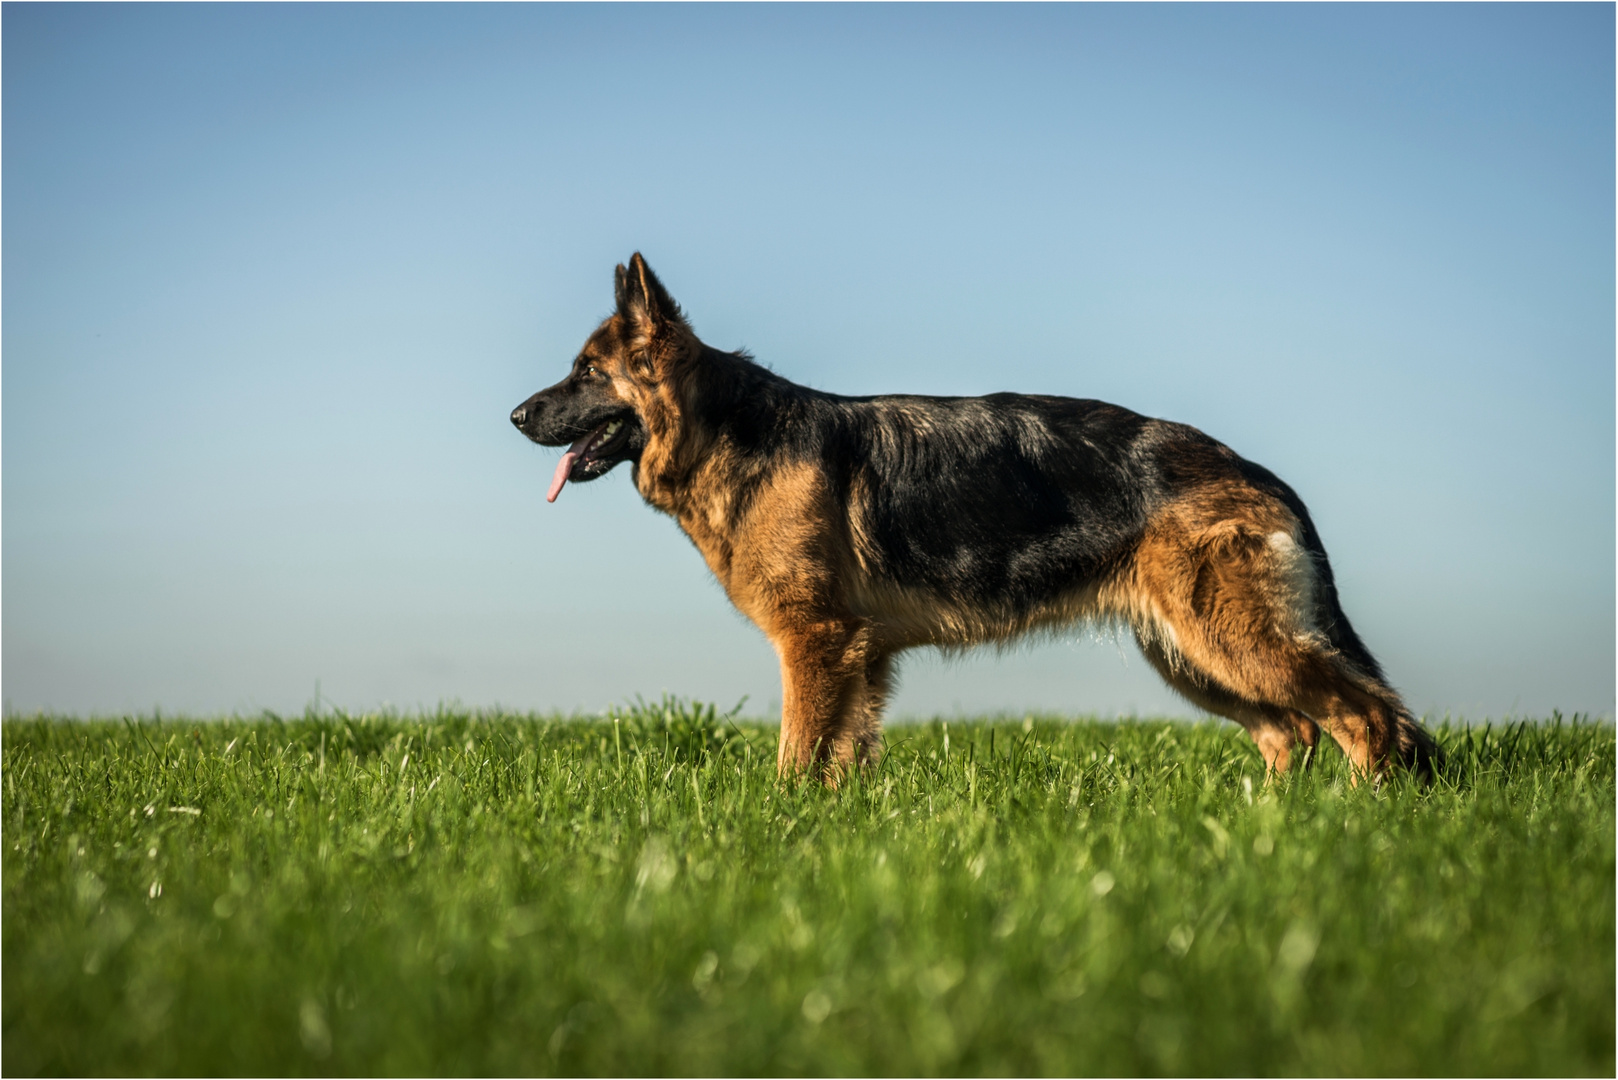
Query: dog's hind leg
(1362,713)
(1279,733)
(1245,607)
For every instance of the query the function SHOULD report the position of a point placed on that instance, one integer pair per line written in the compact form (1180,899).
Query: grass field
(462,894)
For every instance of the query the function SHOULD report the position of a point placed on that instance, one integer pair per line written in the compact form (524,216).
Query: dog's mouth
(591,455)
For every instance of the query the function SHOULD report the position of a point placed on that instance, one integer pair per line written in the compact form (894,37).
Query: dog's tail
(1418,750)
(1414,746)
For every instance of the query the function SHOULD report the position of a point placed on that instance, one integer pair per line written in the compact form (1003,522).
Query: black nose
(519,415)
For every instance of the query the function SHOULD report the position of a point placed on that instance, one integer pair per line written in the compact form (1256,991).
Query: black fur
(973,506)
(982,517)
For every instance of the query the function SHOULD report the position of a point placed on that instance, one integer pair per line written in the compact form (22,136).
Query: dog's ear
(642,300)
(620,289)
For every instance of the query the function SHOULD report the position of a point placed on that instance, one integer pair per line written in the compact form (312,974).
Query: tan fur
(778,562)
(1219,590)
(1222,599)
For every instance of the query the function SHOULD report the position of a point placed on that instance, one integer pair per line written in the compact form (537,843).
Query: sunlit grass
(461,894)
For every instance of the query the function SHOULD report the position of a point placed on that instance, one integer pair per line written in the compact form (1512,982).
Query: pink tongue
(565,466)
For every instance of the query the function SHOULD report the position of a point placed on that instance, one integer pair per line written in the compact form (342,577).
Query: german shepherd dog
(852,528)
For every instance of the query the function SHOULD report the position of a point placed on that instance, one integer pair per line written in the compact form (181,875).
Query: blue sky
(275,275)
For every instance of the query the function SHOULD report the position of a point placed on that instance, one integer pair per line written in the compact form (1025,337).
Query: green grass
(462,894)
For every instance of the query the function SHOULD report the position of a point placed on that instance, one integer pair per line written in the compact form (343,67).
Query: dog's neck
(701,416)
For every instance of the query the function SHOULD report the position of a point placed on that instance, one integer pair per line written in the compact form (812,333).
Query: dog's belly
(904,616)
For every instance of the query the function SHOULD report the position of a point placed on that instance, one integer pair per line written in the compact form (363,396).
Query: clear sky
(275,275)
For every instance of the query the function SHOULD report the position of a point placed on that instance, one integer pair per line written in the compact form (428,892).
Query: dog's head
(616,400)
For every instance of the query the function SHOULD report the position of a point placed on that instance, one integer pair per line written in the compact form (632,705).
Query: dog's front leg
(823,674)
